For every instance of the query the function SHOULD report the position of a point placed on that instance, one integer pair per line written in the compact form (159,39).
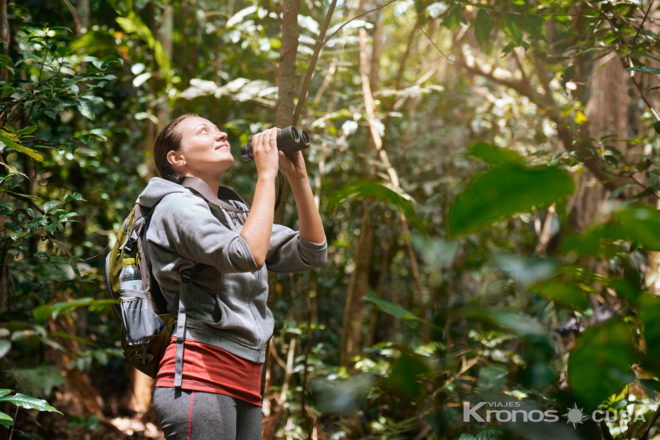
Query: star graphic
(574,415)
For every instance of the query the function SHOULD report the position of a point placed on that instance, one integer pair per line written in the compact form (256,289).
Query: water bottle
(130,276)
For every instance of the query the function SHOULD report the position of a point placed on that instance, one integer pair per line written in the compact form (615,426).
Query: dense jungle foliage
(488,175)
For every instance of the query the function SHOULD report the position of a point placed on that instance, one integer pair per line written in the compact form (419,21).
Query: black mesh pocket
(141,324)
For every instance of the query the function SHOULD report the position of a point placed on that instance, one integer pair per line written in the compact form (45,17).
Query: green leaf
(494,155)
(342,396)
(374,190)
(512,29)
(52,311)
(482,28)
(656,126)
(600,364)
(11,140)
(649,310)
(525,270)
(645,69)
(453,18)
(392,309)
(492,377)
(132,23)
(40,380)
(28,402)
(516,323)
(406,374)
(85,108)
(534,26)
(6,420)
(504,191)
(640,223)
(27,130)
(49,205)
(4,391)
(563,293)
(5,346)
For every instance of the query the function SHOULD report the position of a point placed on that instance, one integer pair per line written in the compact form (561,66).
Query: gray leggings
(196,415)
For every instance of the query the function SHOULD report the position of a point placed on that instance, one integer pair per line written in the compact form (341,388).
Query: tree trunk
(286,92)
(607,111)
(4,36)
(140,393)
(358,285)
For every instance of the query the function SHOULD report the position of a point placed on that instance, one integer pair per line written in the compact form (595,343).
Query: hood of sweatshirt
(156,189)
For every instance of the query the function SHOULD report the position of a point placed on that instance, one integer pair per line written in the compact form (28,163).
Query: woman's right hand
(264,151)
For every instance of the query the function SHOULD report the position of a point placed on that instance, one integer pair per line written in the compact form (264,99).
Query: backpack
(146,325)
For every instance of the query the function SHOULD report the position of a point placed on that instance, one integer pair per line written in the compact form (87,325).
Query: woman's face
(204,150)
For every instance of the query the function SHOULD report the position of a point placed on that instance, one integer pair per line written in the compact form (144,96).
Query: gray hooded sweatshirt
(226,299)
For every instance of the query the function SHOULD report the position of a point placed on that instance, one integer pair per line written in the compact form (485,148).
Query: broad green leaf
(392,309)
(453,18)
(482,28)
(5,346)
(52,311)
(27,130)
(649,310)
(342,396)
(6,420)
(512,29)
(85,108)
(49,205)
(494,155)
(562,292)
(656,126)
(525,270)
(374,190)
(645,69)
(40,380)
(504,191)
(28,402)
(534,26)
(12,141)
(600,364)
(640,223)
(516,323)
(492,377)
(4,391)
(132,23)
(406,374)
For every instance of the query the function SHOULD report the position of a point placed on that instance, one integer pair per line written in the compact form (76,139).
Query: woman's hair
(169,139)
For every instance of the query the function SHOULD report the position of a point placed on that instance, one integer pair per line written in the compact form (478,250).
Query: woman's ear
(176,159)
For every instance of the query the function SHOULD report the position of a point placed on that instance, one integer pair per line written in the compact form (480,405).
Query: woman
(209,383)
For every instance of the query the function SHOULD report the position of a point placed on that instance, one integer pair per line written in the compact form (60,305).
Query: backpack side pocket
(141,323)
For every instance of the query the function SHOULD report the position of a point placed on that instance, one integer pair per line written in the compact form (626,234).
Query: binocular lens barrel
(289,140)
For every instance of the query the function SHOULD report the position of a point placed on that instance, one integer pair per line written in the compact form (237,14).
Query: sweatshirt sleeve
(183,223)
(289,252)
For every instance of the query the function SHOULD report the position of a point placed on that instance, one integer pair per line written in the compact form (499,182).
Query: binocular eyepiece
(289,140)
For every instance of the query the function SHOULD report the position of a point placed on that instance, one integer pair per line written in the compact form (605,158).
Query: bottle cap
(129,261)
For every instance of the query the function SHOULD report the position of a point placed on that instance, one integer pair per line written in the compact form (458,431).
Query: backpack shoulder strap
(198,186)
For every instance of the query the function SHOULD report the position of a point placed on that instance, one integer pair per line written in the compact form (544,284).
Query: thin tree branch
(76,19)
(302,96)
(355,18)
(436,46)
(623,60)
(645,434)
(641,26)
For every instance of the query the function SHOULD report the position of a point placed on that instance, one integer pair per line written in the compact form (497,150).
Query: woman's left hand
(293,168)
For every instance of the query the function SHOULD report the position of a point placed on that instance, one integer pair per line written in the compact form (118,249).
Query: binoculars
(289,140)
